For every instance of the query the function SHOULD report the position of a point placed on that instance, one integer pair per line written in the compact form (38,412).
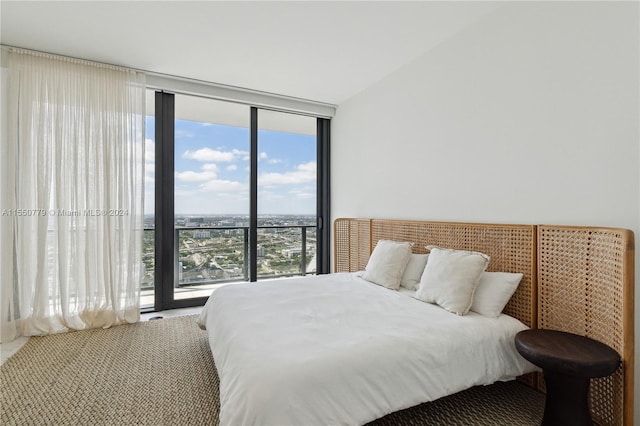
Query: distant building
(201,234)
(288,253)
(193,221)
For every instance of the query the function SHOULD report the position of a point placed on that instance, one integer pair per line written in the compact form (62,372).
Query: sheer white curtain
(71,213)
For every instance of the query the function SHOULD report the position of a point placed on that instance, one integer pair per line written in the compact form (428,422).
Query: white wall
(529,116)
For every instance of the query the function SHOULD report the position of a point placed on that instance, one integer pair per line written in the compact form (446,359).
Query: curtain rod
(191,86)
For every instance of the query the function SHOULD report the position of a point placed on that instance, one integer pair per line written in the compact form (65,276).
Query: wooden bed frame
(576,279)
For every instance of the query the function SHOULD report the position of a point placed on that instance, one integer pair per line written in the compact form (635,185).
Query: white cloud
(208,154)
(184,193)
(149,162)
(303,173)
(302,195)
(244,155)
(210,167)
(184,134)
(218,185)
(264,156)
(232,168)
(149,151)
(209,172)
(236,196)
(191,176)
(269,195)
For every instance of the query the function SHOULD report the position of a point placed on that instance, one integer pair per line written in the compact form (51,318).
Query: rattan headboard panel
(352,244)
(511,247)
(585,286)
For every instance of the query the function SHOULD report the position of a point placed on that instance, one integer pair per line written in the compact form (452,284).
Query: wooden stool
(568,362)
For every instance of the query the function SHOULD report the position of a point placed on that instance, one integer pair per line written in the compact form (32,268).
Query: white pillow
(494,291)
(387,263)
(451,277)
(414,271)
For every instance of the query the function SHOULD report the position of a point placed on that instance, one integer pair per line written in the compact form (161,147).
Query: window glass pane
(286,194)
(211,155)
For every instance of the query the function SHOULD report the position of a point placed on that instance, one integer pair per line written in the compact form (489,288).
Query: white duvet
(338,350)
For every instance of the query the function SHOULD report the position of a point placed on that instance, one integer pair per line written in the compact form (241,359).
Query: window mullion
(253,198)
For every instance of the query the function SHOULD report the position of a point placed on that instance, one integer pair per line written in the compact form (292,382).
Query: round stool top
(567,353)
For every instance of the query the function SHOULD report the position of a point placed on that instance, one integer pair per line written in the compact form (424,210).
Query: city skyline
(309,219)
(214,248)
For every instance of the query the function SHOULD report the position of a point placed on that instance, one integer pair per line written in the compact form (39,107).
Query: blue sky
(212,170)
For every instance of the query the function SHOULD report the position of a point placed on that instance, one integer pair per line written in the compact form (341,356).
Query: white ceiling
(323,51)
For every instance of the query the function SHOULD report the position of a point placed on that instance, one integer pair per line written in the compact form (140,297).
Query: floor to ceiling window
(238,194)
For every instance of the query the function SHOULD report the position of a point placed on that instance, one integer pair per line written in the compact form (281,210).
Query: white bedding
(338,350)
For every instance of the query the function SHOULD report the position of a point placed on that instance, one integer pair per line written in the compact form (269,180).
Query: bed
(338,349)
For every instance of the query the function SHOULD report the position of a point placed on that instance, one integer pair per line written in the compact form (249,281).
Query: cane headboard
(585,286)
(576,279)
(511,247)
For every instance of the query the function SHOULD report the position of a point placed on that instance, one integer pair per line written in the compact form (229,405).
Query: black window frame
(166,246)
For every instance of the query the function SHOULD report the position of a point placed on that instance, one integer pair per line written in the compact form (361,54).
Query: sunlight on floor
(8,349)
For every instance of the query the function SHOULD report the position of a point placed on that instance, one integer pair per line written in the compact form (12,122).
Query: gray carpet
(162,373)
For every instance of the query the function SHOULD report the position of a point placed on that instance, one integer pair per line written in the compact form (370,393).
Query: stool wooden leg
(567,401)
